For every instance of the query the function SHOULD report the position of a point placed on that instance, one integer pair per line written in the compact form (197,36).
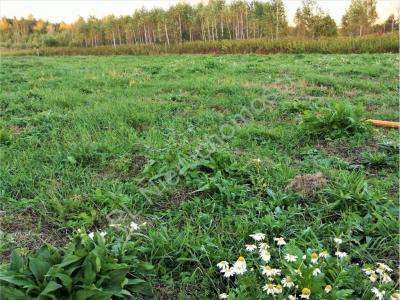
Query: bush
(341,118)
(95,266)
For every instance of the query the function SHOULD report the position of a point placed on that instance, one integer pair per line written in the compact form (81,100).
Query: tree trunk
(166,33)
(113,36)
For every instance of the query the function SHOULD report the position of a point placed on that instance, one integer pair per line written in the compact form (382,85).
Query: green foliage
(340,119)
(98,267)
(5,136)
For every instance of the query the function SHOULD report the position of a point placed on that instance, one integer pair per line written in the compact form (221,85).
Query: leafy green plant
(341,118)
(100,265)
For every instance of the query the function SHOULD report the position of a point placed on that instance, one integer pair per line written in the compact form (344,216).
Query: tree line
(215,20)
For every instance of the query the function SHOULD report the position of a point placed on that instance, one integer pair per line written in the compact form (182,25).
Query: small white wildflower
(240,266)
(290,258)
(340,254)
(228,272)
(251,248)
(266,270)
(373,277)
(314,258)
(395,296)
(258,236)
(303,257)
(298,272)
(378,294)
(265,255)
(328,288)
(382,268)
(368,271)
(316,272)
(386,278)
(270,288)
(222,265)
(223,296)
(305,293)
(91,235)
(338,241)
(287,282)
(103,234)
(257,161)
(291,297)
(263,246)
(278,289)
(324,254)
(280,241)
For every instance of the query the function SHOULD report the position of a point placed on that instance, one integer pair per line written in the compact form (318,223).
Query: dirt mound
(308,184)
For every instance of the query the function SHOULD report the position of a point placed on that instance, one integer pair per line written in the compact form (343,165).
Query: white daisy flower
(91,235)
(328,288)
(291,297)
(251,248)
(340,254)
(382,268)
(314,258)
(103,234)
(263,246)
(386,278)
(373,277)
(378,294)
(305,293)
(278,289)
(316,272)
(338,241)
(287,282)
(280,241)
(290,258)
(223,296)
(228,272)
(270,288)
(324,254)
(239,266)
(258,236)
(222,265)
(395,296)
(368,271)
(266,270)
(265,255)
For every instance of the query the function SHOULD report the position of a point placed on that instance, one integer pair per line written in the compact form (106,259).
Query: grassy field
(206,150)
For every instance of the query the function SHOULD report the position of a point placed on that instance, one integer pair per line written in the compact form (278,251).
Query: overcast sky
(70,10)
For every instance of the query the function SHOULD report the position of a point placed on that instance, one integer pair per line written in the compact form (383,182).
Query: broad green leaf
(50,287)
(39,268)
(17,262)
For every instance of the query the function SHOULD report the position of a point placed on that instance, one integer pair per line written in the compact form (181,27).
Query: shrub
(100,265)
(340,119)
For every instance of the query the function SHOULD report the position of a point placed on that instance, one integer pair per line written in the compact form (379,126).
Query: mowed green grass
(81,136)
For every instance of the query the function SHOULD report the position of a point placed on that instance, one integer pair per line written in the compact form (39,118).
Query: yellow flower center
(395,295)
(268,268)
(279,287)
(328,287)
(289,279)
(270,286)
(306,291)
(314,255)
(241,259)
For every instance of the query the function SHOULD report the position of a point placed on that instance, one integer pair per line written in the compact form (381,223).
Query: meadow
(206,150)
